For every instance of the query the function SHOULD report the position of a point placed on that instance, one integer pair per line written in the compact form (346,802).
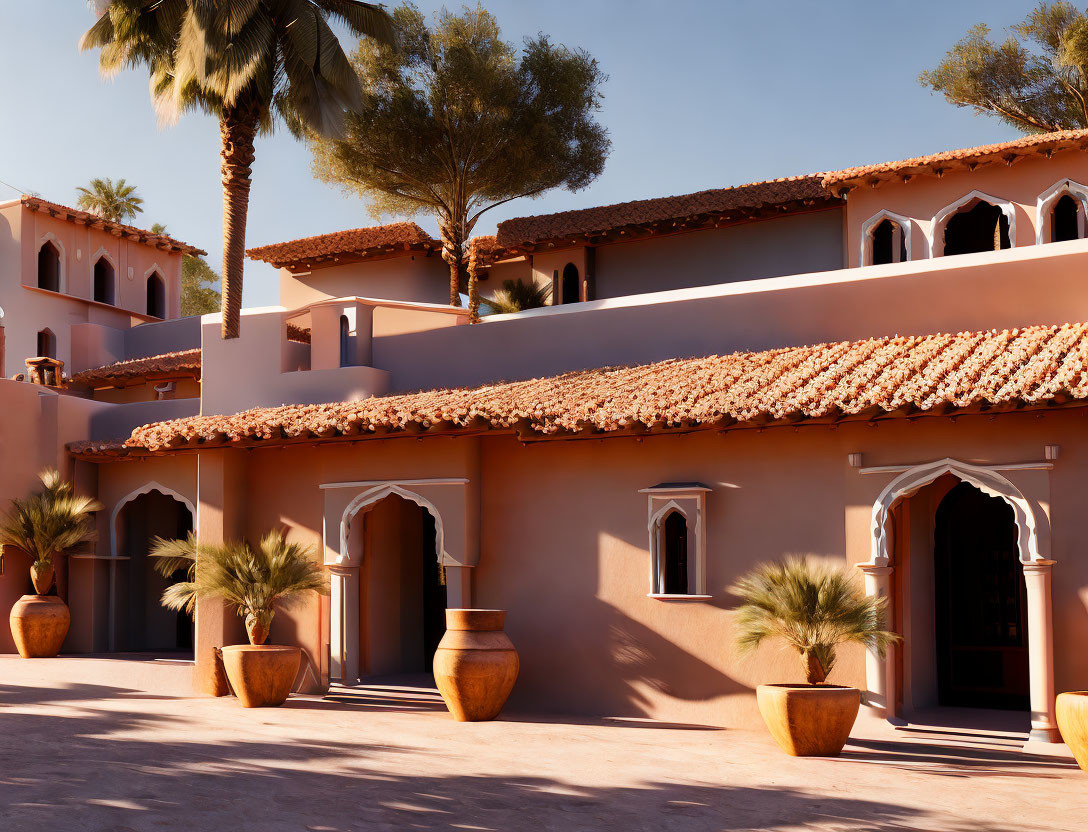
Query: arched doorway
(570,291)
(980,603)
(903,565)
(142,624)
(402,591)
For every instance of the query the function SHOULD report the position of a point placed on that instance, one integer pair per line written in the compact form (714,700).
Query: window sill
(658,596)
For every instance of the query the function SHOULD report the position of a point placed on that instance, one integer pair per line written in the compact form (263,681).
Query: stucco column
(344,624)
(1044,727)
(220,492)
(879,672)
(458,587)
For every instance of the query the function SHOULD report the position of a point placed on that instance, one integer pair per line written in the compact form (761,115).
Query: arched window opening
(982,227)
(156,296)
(570,292)
(1067,220)
(49,267)
(674,532)
(345,341)
(889,243)
(47,344)
(104,284)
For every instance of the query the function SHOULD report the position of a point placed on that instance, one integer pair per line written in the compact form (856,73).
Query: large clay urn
(1072,713)
(809,720)
(39,624)
(261,674)
(475,665)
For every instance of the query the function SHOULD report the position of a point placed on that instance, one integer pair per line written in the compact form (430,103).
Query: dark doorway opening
(981,228)
(570,292)
(1065,222)
(145,625)
(889,243)
(156,296)
(403,593)
(981,604)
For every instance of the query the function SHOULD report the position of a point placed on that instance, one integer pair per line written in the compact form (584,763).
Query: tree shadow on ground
(108,767)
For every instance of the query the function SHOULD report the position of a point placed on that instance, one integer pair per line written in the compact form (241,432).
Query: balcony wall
(1028,285)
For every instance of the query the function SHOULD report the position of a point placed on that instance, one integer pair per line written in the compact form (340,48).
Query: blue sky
(700,95)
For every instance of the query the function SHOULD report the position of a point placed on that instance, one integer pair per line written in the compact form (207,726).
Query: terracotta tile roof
(160,241)
(184,364)
(963,159)
(780,195)
(346,246)
(879,377)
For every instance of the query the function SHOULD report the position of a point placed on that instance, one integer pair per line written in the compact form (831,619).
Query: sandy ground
(95,757)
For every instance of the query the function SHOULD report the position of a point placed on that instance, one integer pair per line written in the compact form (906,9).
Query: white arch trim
(905,224)
(132,495)
(663,512)
(985,478)
(376,495)
(1046,202)
(62,258)
(941,218)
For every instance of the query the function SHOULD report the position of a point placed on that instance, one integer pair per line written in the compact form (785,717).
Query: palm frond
(50,521)
(515,296)
(811,608)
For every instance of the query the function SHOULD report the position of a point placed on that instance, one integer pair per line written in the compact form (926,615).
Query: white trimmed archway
(865,254)
(941,218)
(1033,541)
(114,557)
(344,604)
(1044,208)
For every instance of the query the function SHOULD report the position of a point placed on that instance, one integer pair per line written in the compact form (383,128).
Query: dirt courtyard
(96,757)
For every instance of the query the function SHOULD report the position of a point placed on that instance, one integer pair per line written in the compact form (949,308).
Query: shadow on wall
(145,770)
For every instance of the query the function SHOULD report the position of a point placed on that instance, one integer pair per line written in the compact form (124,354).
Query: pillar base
(1045,735)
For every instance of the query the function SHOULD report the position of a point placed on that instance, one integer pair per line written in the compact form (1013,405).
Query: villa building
(885,366)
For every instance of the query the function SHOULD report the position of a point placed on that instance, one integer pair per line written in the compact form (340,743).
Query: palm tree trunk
(453,252)
(815,673)
(237,129)
(473,284)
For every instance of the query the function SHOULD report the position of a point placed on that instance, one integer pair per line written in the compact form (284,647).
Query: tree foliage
(198,293)
(1036,80)
(246,62)
(113,201)
(811,608)
(255,581)
(459,121)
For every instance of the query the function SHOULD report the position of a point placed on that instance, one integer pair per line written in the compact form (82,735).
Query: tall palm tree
(113,201)
(48,523)
(813,609)
(253,581)
(246,62)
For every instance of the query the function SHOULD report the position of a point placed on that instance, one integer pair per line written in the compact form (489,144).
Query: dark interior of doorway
(981,606)
(434,593)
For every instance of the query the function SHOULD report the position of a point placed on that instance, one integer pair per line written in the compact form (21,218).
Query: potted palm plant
(45,525)
(813,609)
(255,582)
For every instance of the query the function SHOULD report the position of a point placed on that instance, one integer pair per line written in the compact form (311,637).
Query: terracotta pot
(809,720)
(261,674)
(475,665)
(39,624)
(1072,712)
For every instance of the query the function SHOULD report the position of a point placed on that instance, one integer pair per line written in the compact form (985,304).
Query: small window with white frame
(677,512)
(885,238)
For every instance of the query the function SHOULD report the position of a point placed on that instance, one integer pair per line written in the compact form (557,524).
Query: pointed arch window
(677,540)
(1061,213)
(156,296)
(885,238)
(49,267)
(105,282)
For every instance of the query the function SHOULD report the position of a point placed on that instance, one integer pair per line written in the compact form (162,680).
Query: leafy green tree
(113,201)
(246,62)
(1035,81)
(458,121)
(198,280)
